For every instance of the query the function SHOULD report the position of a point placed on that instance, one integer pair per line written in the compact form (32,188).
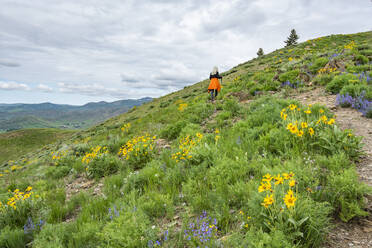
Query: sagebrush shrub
(340,81)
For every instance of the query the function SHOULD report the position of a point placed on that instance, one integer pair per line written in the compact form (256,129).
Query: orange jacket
(214,84)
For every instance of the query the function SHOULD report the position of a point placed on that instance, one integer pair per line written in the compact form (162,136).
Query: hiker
(214,85)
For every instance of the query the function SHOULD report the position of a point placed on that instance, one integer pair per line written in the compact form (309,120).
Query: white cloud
(44,88)
(13,86)
(8,63)
(140,48)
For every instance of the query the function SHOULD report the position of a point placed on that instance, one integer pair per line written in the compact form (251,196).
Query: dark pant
(214,94)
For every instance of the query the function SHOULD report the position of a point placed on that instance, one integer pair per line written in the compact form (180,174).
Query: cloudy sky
(76,51)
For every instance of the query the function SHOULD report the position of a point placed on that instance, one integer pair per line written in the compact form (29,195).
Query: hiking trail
(357,233)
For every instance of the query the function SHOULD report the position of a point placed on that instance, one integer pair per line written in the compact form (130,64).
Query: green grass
(209,165)
(17,144)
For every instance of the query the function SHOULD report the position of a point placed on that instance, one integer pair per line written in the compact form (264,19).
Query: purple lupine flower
(150,244)
(166,235)
(202,229)
(359,103)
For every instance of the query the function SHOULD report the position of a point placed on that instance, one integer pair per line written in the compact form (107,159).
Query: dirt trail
(357,233)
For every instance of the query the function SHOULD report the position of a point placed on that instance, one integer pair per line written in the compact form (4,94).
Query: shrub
(20,205)
(231,105)
(190,129)
(172,131)
(112,185)
(199,112)
(358,68)
(360,59)
(271,86)
(340,81)
(148,177)
(345,193)
(290,76)
(104,166)
(356,90)
(362,47)
(138,151)
(13,238)
(367,52)
(263,77)
(80,149)
(130,229)
(56,172)
(369,113)
(222,116)
(323,79)
(86,235)
(54,235)
(255,89)
(156,205)
(318,64)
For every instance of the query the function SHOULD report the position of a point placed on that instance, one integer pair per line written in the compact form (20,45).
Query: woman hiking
(214,85)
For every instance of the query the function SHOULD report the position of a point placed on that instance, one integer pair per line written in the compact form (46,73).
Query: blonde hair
(215,70)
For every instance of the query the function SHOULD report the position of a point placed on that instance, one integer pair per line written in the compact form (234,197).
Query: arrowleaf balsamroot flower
(264,187)
(304,124)
(267,178)
(269,200)
(311,131)
(278,179)
(289,199)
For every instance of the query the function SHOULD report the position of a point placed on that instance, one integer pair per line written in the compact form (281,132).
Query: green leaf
(293,222)
(299,234)
(300,222)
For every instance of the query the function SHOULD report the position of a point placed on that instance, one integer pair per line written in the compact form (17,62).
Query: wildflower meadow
(253,169)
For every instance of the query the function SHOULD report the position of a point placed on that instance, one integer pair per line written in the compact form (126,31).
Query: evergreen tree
(260,52)
(292,39)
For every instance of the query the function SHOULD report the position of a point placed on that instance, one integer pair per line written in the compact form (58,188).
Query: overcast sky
(76,51)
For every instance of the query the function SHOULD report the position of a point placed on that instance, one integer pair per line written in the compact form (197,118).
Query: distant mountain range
(49,115)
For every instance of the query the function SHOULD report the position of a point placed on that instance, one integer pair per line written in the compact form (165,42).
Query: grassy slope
(17,144)
(222,177)
(54,116)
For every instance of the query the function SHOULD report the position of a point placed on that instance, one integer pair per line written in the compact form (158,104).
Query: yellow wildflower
(294,129)
(311,131)
(300,133)
(331,121)
(268,200)
(264,187)
(292,107)
(267,178)
(289,199)
(308,111)
(278,179)
(286,176)
(292,183)
(304,124)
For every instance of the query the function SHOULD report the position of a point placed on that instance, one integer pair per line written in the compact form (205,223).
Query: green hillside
(16,144)
(49,115)
(23,122)
(253,169)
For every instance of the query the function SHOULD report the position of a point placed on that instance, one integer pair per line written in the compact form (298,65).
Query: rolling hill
(270,163)
(48,115)
(16,144)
